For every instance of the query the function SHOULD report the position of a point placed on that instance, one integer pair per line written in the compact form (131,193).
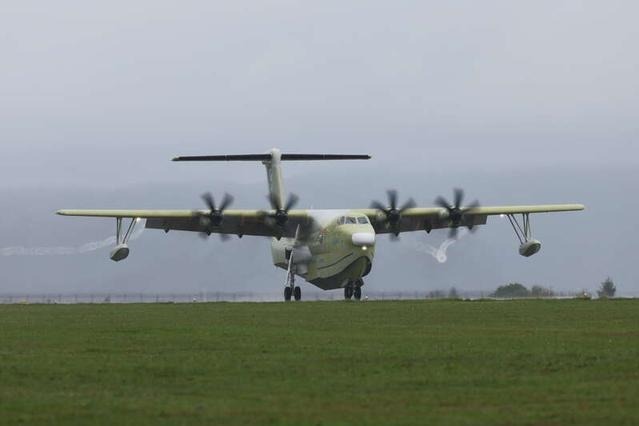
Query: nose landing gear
(348,291)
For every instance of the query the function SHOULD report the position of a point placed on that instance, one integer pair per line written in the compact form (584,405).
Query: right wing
(235,222)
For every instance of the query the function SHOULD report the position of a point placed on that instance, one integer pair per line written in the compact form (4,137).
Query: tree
(539,291)
(512,290)
(607,289)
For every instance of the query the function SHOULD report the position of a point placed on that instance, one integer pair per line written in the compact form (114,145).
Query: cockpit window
(351,220)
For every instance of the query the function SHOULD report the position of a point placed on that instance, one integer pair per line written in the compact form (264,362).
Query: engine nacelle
(530,248)
(281,252)
(120,252)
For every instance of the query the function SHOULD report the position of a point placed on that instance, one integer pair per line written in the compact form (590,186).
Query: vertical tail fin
(275,181)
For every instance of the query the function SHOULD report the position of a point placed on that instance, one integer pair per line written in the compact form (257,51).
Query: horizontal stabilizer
(313,157)
(246,157)
(268,157)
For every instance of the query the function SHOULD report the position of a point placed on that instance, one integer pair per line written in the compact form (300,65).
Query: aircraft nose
(363,238)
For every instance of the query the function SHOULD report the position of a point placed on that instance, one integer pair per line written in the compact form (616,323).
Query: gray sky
(110,91)
(101,95)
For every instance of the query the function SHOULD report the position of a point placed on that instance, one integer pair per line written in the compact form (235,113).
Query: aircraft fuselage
(339,252)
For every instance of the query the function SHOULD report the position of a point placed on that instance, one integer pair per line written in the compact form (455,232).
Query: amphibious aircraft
(331,249)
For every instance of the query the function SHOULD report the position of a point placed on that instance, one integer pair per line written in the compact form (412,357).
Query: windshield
(352,220)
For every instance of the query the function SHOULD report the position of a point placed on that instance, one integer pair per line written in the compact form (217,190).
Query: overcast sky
(103,94)
(109,91)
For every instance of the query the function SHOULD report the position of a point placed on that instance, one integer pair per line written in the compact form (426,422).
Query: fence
(207,297)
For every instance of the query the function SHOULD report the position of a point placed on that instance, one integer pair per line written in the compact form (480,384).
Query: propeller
(392,213)
(215,216)
(280,214)
(455,212)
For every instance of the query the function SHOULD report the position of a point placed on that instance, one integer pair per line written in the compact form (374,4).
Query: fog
(517,103)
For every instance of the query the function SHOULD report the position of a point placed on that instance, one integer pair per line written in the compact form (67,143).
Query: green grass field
(412,362)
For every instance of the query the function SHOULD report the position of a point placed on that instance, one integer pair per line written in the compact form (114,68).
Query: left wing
(237,222)
(420,219)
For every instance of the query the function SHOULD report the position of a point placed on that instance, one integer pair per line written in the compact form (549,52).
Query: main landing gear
(353,289)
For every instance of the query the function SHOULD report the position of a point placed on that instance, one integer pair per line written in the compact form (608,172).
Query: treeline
(607,289)
(441,294)
(510,291)
(516,290)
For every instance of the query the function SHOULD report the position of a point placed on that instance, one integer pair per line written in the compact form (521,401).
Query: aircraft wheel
(297,293)
(348,292)
(287,294)
(357,293)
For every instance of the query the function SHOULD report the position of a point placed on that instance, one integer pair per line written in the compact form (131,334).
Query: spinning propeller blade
(392,214)
(215,216)
(280,214)
(455,212)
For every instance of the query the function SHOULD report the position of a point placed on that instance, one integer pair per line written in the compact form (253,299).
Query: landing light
(364,248)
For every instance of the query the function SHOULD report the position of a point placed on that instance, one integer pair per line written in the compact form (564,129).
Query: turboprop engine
(283,249)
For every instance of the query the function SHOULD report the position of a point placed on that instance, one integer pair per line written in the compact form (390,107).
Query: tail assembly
(272,161)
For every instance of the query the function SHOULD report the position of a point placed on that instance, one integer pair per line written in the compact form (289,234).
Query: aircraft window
(362,220)
(351,220)
(340,221)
